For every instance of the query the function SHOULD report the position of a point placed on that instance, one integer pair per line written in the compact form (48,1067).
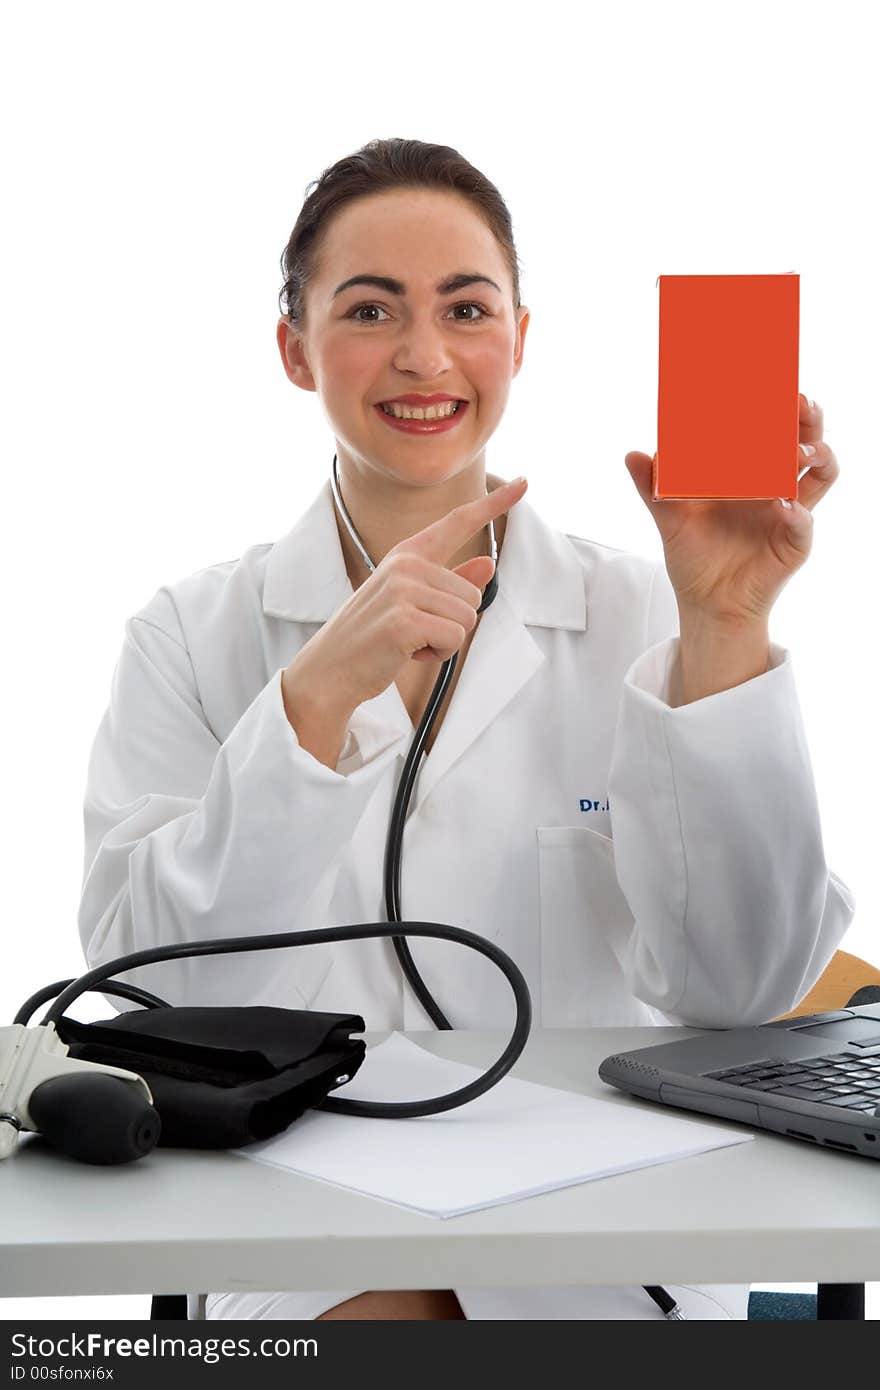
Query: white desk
(177,1220)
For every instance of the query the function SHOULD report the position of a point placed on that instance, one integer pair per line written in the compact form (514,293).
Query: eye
(352,314)
(483,312)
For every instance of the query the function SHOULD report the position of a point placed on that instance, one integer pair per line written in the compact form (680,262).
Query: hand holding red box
(729,559)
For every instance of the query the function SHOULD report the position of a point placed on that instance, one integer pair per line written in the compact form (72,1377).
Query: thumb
(477,571)
(641,470)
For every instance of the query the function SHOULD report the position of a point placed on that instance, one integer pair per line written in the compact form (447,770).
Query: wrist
(715,654)
(318,701)
(723,627)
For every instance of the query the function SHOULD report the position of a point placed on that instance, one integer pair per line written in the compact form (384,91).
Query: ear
(293,355)
(522,325)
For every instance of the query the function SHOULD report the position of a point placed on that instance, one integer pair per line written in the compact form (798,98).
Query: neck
(386,511)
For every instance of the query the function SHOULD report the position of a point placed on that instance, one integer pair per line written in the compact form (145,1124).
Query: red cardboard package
(727,406)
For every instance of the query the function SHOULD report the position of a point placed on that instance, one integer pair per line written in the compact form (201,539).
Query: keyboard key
(819,1096)
(802,1092)
(839,1075)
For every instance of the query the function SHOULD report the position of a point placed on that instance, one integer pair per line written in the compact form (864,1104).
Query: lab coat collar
(539,572)
(541,583)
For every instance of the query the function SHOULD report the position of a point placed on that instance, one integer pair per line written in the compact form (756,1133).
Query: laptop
(816,1077)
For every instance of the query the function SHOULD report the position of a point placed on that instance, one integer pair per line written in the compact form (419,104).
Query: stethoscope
(102,977)
(394,842)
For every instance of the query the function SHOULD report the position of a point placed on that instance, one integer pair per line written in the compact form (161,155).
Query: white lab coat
(641,864)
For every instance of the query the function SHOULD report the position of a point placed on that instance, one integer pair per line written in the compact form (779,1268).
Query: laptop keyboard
(850,1083)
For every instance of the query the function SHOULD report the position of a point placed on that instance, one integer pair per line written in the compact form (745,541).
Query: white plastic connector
(28,1057)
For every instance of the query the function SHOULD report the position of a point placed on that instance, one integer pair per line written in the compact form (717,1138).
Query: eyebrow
(385,282)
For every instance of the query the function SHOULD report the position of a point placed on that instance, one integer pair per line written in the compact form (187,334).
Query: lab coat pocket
(585,927)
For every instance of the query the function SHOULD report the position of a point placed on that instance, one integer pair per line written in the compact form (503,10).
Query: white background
(155,160)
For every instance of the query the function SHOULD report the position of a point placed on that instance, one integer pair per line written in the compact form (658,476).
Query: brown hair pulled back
(374,168)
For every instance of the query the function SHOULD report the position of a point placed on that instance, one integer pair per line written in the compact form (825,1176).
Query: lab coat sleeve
(187,837)
(717,840)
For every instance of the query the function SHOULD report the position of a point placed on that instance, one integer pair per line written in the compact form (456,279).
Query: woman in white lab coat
(242,778)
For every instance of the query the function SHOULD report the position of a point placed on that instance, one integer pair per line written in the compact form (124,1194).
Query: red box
(727,403)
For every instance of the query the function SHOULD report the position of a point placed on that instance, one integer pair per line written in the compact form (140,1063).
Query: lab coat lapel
(502,657)
(306,579)
(541,583)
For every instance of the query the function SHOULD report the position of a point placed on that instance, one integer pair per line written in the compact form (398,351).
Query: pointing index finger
(444,538)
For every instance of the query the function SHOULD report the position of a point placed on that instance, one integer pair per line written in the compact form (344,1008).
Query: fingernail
(808,450)
(806,399)
(520,479)
(784,503)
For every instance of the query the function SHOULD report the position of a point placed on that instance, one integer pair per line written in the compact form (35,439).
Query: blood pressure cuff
(224,1077)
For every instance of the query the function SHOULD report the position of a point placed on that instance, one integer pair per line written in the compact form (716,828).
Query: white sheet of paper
(515,1140)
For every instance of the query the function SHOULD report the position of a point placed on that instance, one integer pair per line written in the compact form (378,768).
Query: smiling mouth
(414,421)
(442,411)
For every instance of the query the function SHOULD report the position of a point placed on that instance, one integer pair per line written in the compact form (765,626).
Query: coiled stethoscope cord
(394,842)
(67,991)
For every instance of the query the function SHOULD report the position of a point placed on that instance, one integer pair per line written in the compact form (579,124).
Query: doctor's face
(364,344)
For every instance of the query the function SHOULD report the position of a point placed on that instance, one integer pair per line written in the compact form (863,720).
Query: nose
(422,351)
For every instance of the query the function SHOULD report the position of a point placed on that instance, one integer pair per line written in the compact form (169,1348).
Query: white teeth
(410,412)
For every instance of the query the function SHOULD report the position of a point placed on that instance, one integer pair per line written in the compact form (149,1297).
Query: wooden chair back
(842,976)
